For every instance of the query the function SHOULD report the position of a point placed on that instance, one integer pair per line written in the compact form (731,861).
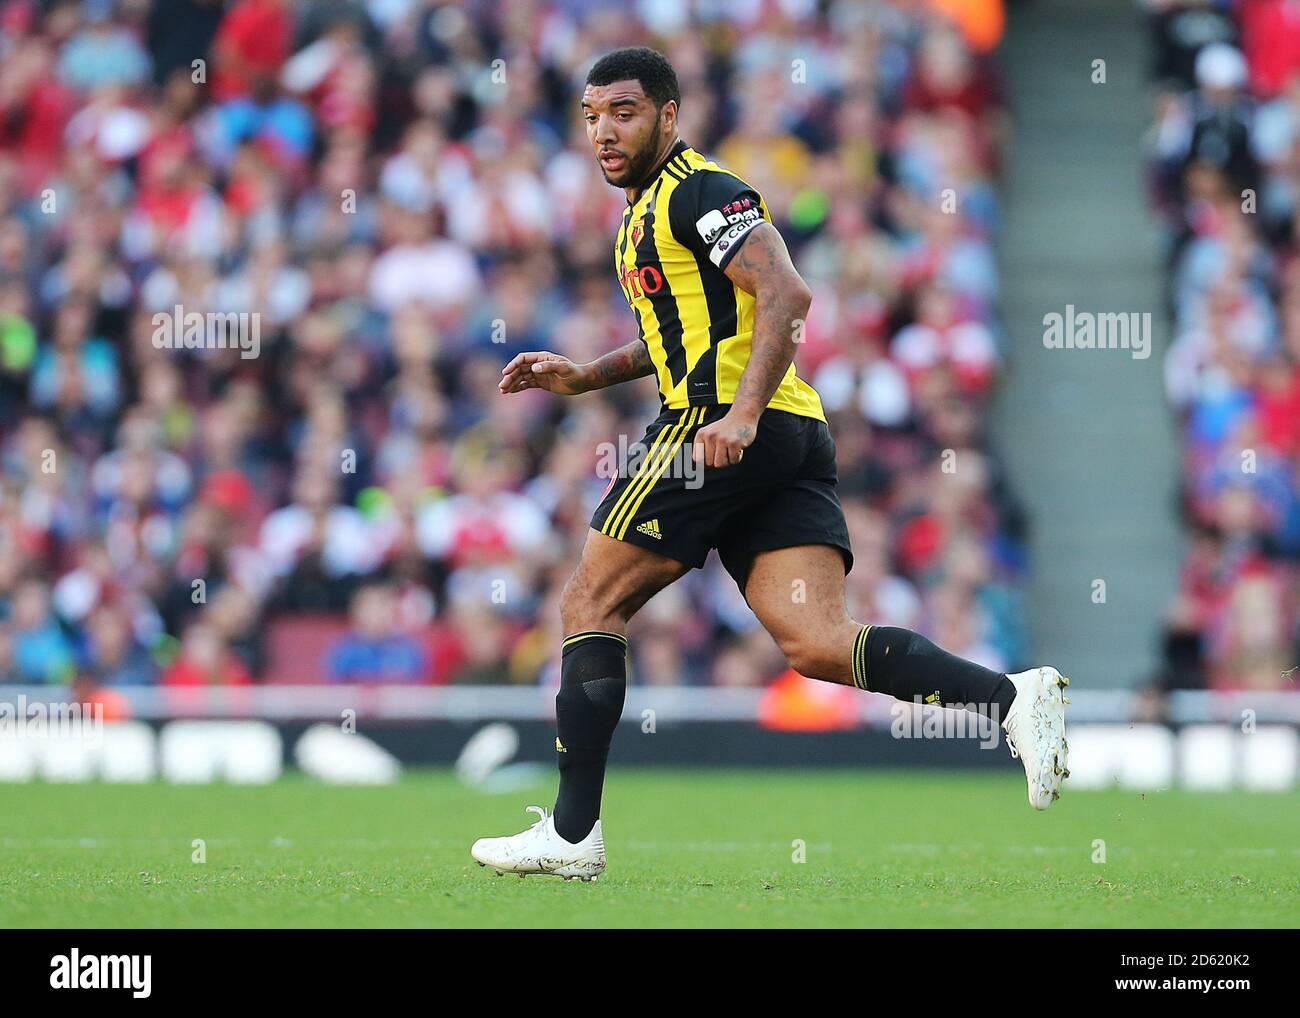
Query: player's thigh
(612,581)
(798,595)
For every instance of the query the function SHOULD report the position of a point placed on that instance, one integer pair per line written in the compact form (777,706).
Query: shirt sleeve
(712,212)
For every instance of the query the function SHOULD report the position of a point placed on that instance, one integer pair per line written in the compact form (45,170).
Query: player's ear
(668,116)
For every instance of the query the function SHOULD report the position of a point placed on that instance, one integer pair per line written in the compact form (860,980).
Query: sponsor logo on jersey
(640,282)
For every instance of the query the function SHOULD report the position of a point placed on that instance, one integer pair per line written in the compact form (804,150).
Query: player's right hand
(544,370)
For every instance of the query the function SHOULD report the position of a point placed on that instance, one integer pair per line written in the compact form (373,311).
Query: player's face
(625,130)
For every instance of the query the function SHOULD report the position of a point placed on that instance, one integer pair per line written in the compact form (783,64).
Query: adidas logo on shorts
(651,529)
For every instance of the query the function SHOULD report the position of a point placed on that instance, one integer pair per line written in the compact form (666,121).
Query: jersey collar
(673,153)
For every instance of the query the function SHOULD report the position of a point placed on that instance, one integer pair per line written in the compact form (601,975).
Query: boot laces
(541,814)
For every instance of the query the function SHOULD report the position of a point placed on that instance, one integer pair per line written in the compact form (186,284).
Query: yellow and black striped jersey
(675,241)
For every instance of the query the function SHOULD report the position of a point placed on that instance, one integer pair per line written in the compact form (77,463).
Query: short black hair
(639,63)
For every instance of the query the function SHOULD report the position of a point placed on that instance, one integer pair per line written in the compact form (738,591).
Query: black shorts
(780,494)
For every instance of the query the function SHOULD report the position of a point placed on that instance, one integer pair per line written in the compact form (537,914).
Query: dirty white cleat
(1035,728)
(540,850)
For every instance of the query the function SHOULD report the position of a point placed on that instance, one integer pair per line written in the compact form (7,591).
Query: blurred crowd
(402,191)
(1224,157)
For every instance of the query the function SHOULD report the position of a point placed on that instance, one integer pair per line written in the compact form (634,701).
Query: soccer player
(719,306)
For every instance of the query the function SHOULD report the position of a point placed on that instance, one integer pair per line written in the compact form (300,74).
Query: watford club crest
(637,231)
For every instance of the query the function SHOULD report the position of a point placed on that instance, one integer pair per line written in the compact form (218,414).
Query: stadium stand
(1223,157)
(401,190)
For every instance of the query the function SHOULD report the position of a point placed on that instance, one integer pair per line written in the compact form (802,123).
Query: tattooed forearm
(621,365)
(781,299)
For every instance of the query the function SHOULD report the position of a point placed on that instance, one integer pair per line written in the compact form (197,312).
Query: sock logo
(933,697)
(651,529)
(559,746)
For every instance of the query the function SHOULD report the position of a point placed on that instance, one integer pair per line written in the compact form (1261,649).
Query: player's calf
(884,659)
(897,662)
(613,580)
(593,683)
(820,640)
(907,666)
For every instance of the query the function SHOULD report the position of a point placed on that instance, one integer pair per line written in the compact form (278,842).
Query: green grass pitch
(686,848)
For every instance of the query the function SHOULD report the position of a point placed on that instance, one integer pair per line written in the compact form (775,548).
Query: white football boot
(1035,728)
(540,850)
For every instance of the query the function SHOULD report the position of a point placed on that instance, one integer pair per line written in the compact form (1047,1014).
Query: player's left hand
(723,443)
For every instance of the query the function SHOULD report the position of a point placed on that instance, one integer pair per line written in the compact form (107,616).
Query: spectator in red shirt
(35,107)
(252,43)
(205,660)
(1270,39)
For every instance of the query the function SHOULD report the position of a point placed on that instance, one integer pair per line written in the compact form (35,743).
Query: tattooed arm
(554,373)
(781,298)
(621,365)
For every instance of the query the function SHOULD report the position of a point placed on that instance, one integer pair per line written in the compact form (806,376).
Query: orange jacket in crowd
(980,21)
(794,703)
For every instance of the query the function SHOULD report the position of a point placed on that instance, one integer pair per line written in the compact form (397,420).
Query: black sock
(907,666)
(593,683)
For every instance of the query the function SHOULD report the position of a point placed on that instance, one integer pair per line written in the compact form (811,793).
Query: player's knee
(810,656)
(582,608)
(575,608)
